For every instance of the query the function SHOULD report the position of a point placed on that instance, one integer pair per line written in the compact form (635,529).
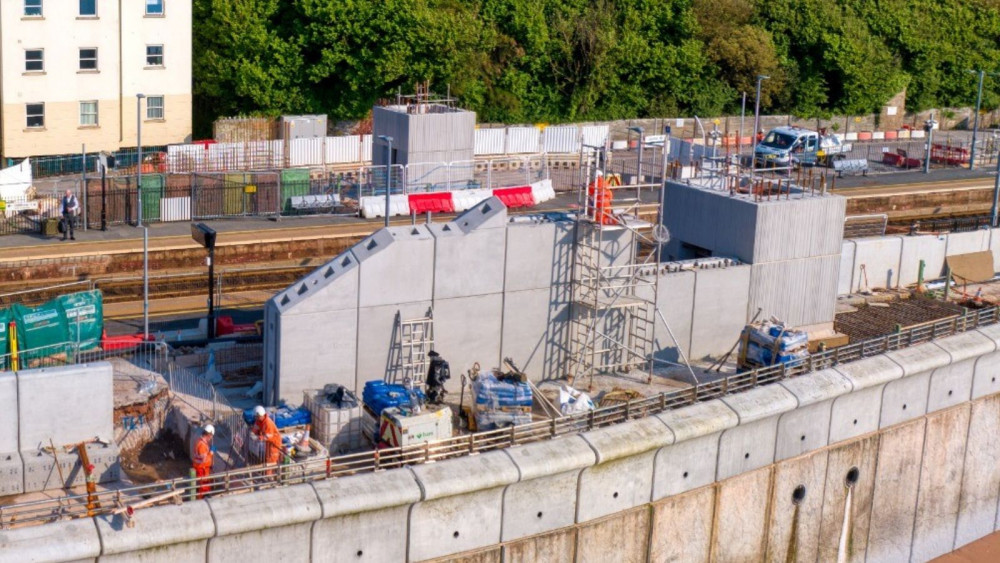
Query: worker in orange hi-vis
(599,201)
(204,455)
(267,432)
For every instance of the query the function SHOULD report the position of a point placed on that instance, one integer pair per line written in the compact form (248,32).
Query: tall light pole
(388,173)
(138,165)
(756,124)
(975,128)
(929,126)
(145,229)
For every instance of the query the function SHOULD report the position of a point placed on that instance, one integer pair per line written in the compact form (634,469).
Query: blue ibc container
(282,416)
(491,391)
(379,395)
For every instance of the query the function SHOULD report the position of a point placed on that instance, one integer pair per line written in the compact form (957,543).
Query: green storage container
(294,182)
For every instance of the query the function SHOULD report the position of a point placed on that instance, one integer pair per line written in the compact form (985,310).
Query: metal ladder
(414,338)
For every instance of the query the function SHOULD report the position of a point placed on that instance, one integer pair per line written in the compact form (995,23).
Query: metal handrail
(260,477)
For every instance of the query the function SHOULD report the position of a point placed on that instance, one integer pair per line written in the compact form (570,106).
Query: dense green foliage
(562,60)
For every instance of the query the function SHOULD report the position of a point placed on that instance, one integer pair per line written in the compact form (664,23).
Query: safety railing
(260,477)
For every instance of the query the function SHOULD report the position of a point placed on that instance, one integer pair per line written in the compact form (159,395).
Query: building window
(154,107)
(34,60)
(154,55)
(88,58)
(33,8)
(88,113)
(36,115)
(88,8)
(153,7)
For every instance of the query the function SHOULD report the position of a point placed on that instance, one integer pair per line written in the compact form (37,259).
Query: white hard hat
(259,411)
(600,173)
(209,429)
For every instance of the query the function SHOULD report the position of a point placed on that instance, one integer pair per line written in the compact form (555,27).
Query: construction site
(796,359)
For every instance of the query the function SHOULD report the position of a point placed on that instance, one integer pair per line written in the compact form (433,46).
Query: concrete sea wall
(890,458)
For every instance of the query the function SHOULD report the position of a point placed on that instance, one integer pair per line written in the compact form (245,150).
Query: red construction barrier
(864,135)
(891,135)
(515,197)
(121,342)
(435,202)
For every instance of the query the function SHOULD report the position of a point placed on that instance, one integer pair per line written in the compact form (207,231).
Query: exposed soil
(163,458)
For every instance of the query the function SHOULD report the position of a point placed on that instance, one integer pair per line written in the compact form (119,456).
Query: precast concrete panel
(721,298)
(929,248)
(922,358)
(691,541)
(455,524)
(856,413)
(77,541)
(468,262)
(685,466)
(536,330)
(870,372)
(995,246)
(173,553)
(950,385)
(816,222)
(964,243)
(741,517)
(539,253)
(316,349)
(796,509)
(616,533)
(465,475)
(42,472)
(940,483)
(747,447)
(8,412)
(699,419)
(855,459)
(156,527)
(760,403)
(981,476)
(375,535)
(897,482)
(367,492)
(629,438)
(803,430)
(552,457)
(271,508)
(710,220)
(904,399)
(288,544)
(540,505)
(779,289)
(378,332)
(467,330)
(675,299)
(331,287)
(552,547)
(845,278)
(879,258)
(615,486)
(82,395)
(817,386)
(992,332)
(985,375)
(396,266)
(11,474)
(967,345)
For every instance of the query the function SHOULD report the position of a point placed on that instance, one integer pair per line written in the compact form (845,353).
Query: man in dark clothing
(70,209)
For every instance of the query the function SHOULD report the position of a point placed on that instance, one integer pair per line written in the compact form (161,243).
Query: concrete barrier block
(175,553)
(904,399)
(552,457)
(629,438)
(157,526)
(367,535)
(760,403)
(271,508)
(685,466)
(817,386)
(986,376)
(930,249)
(880,258)
(11,474)
(966,242)
(539,505)
(699,419)
(81,394)
(465,475)
(467,261)
(396,266)
(803,429)
(855,414)
(65,540)
(615,486)
(870,372)
(454,524)
(289,544)
(747,447)
(950,385)
(8,412)
(921,358)
(991,331)
(980,474)
(366,492)
(41,473)
(967,345)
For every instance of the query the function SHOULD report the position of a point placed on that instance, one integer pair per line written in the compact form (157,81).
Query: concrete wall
(894,261)
(896,453)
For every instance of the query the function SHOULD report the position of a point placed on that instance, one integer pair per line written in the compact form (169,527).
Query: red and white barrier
(513,197)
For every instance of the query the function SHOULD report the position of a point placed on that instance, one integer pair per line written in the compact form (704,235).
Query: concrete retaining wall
(780,472)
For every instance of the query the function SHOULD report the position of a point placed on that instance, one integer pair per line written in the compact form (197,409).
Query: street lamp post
(929,126)
(138,165)
(756,124)
(388,173)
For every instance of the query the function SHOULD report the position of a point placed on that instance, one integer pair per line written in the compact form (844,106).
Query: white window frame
(163,8)
(42,60)
(81,59)
(83,15)
(161,55)
(40,7)
(161,108)
(95,113)
(27,115)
